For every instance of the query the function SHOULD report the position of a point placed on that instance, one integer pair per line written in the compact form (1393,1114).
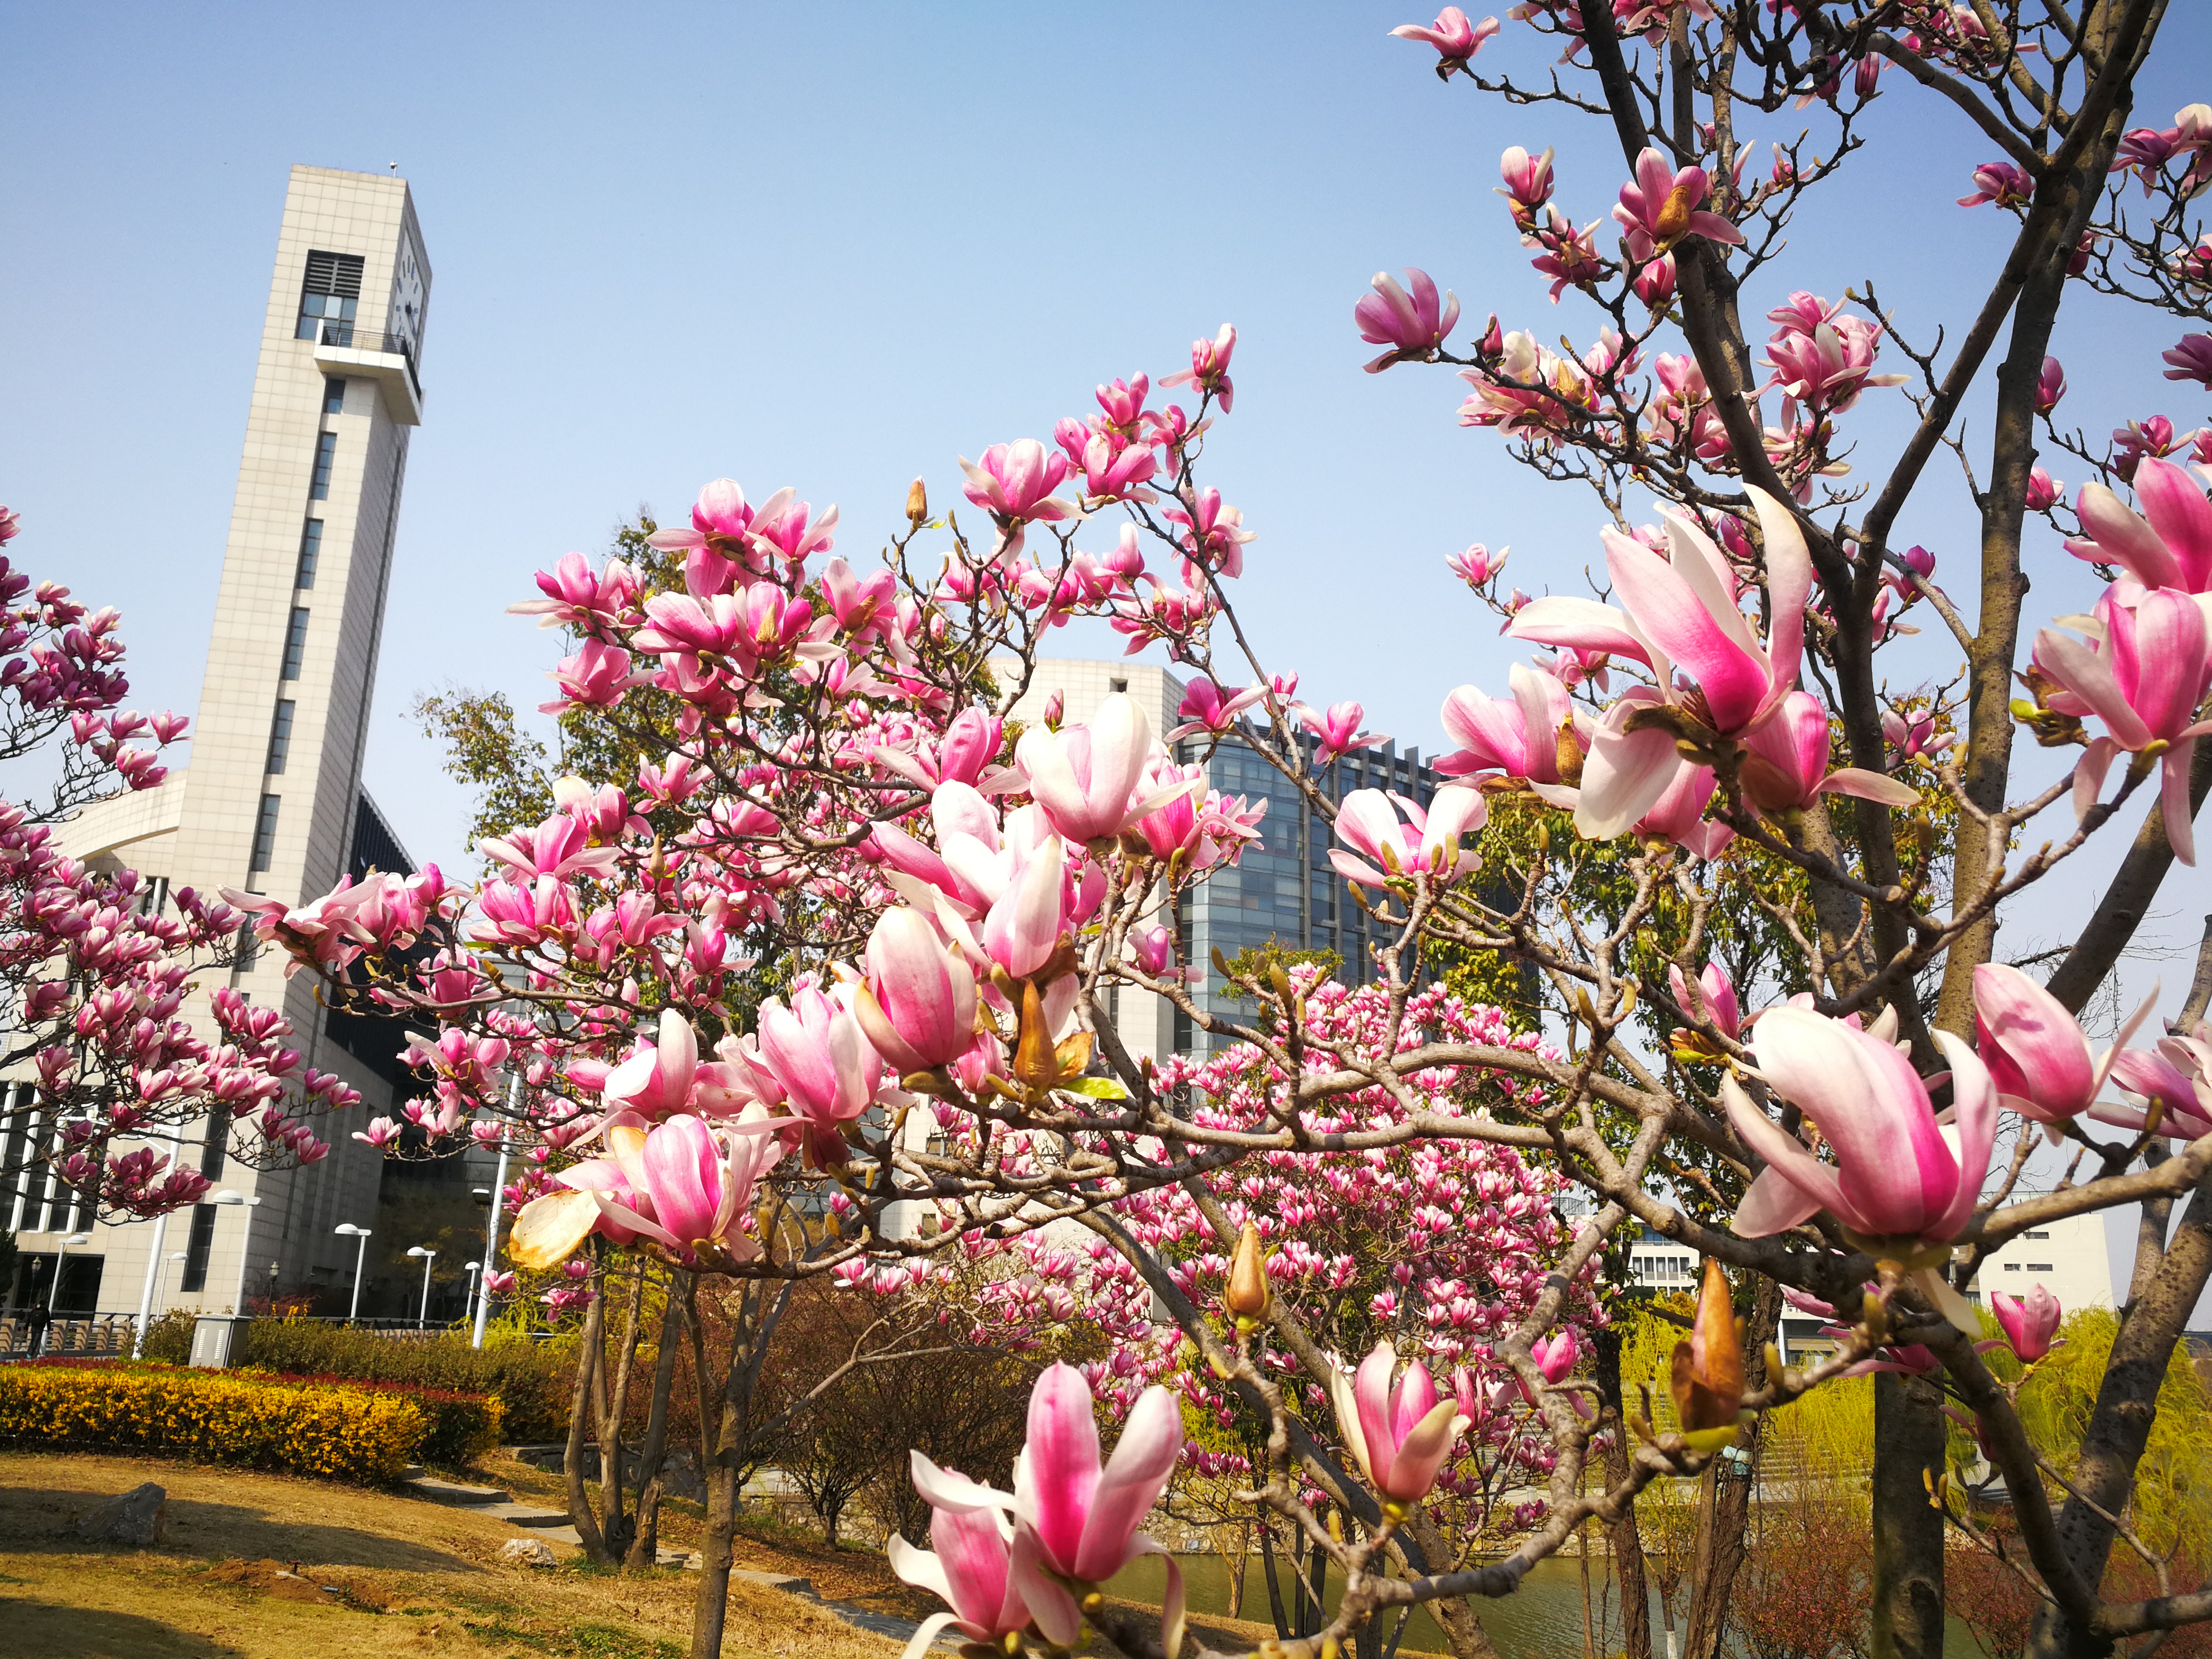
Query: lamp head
(78,1238)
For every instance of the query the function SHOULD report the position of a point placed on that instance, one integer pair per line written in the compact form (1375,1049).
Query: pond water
(1543,1619)
(1543,1616)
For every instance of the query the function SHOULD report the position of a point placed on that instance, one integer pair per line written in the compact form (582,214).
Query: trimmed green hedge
(529,1381)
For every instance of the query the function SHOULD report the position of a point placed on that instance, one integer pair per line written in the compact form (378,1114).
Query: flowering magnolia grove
(814,989)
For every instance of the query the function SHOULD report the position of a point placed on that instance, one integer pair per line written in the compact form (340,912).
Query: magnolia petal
(550,1228)
(1869,786)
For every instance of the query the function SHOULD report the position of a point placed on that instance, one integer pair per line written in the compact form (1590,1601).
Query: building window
(280,738)
(329,297)
(311,550)
(333,395)
(265,836)
(197,1247)
(1117,686)
(326,451)
(2037,1232)
(2040,1267)
(296,643)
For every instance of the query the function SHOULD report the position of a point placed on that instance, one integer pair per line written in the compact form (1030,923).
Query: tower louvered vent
(334,273)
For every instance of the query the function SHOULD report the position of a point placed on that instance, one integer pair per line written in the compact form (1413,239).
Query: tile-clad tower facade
(272,801)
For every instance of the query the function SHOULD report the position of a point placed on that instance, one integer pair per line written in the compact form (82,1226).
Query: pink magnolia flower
(824,1066)
(1662,206)
(1337,733)
(1913,736)
(1410,325)
(1368,819)
(1476,565)
(2191,359)
(2050,386)
(2035,1053)
(2000,182)
(496,1283)
(1679,814)
(382,1133)
(2045,492)
(1570,257)
(1209,368)
(1455,38)
(917,1005)
(596,677)
(1213,535)
(2030,1321)
(576,595)
(1083,777)
(1555,1356)
(970,1570)
(1527,182)
(1520,738)
(2144,680)
(697,1181)
(1400,1435)
(1681,612)
(1824,368)
(1076,1520)
(1208,708)
(1898,1174)
(2170,547)
(2176,1082)
(1716,995)
(1014,484)
(1787,765)
(2152,437)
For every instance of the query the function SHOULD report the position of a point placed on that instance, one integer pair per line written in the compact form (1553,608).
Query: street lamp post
(429,1255)
(54,1290)
(161,1278)
(232,1200)
(346,1229)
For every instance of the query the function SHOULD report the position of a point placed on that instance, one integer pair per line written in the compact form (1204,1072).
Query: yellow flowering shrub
(337,1433)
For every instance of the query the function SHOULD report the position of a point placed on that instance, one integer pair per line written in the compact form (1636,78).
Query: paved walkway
(554,1527)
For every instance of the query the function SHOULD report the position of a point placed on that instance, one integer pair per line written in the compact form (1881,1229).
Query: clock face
(407,295)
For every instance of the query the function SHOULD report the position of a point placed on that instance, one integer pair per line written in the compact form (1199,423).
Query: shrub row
(462,1427)
(529,1381)
(334,1432)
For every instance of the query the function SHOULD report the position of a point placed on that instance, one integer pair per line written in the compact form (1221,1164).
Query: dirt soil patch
(262,1567)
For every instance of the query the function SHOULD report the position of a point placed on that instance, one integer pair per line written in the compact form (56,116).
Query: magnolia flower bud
(1248,1294)
(917,503)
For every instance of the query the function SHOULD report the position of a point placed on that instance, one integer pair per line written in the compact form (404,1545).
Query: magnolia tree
(1366,1225)
(97,966)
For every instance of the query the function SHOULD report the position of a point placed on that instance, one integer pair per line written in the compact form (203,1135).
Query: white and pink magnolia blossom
(2143,679)
(1209,368)
(1082,778)
(1455,39)
(1399,1433)
(1663,206)
(1369,820)
(1412,325)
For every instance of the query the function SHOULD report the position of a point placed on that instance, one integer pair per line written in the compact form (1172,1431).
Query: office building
(272,800)
(1282,888)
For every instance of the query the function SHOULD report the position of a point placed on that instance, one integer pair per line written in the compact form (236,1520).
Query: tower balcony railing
(353,335)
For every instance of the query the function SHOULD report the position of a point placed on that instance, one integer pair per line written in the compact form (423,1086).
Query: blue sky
(834,249)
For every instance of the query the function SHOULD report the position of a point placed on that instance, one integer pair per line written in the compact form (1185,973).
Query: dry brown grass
(405,1577)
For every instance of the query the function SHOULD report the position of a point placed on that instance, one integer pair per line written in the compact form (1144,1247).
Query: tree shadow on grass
(51,1630)
(35,1522)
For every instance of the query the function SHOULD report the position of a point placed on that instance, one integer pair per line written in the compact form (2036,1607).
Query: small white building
(2070,1259)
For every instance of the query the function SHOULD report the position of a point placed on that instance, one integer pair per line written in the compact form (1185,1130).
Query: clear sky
(835,247)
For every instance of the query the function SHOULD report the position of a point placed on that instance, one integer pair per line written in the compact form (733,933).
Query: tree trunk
(645,1542)
(1908,1530)
(1627,1545)
(1727,1515)
(580,1404)
(615,1527)
(724,1471)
